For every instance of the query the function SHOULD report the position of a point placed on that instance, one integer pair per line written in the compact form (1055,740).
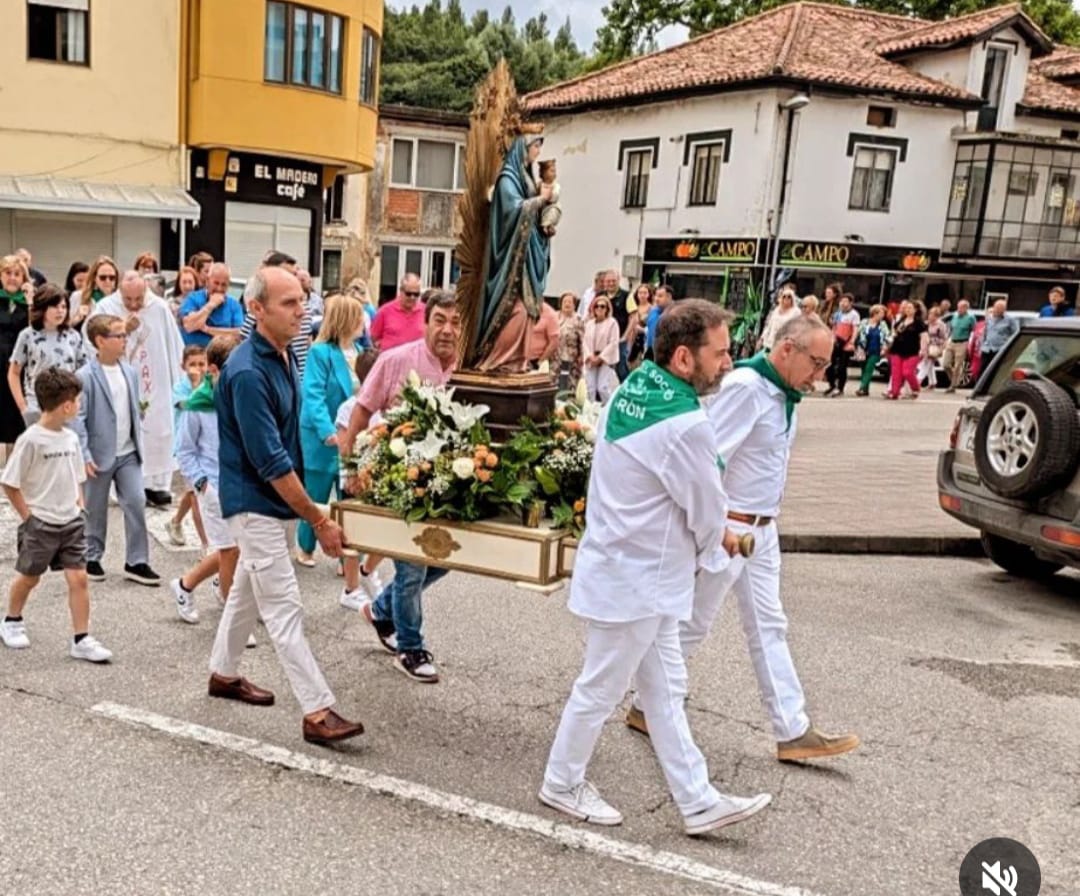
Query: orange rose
(413,473)
(560,436)
(483,475)
(491,460)
(579,505)
(572,426)
(419,492)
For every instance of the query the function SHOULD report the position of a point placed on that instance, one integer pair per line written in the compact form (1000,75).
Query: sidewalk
(863,478)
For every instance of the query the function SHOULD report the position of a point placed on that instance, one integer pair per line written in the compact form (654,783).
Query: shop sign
(702,250)
(859,256)
(268,178)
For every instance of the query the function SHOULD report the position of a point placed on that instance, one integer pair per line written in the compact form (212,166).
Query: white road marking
(565,835)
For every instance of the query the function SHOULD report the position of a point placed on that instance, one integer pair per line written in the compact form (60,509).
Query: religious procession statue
(505,245)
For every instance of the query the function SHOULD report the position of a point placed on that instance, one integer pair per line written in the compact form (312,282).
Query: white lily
(430,448)
(465,415)
(463,468)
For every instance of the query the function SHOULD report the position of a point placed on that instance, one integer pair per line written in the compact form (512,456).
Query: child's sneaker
(175,530)
(13,634)
(371,583)
(352,600)
(90,649)
(185,602)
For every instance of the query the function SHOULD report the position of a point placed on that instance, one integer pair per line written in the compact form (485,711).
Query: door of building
(251,229)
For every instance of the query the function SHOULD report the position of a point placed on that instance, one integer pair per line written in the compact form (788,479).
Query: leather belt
(749,518)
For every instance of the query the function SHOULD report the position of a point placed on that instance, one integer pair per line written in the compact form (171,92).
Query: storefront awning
(52,194)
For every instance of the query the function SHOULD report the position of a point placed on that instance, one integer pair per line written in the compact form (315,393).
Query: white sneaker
(372,583)
(251,642)
(352,600)
(13,634)
(581,802)
(729,810)
(91,650)
(175,532)
(185,602)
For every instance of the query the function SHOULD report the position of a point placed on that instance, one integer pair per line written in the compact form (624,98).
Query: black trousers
(837,372)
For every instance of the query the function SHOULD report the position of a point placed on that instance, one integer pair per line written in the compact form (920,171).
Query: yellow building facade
(181,125)
(91,160)
(278,102)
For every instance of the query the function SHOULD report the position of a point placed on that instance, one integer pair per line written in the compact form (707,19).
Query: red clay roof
(961,29)
(813,43)
(1063,63)
(1044,95)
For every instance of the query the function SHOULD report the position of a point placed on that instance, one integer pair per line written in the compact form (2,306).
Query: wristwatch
(200,483)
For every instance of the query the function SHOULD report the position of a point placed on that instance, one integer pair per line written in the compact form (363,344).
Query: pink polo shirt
(387,377)
(394,326)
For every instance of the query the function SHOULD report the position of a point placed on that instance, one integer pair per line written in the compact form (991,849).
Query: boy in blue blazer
(109,431)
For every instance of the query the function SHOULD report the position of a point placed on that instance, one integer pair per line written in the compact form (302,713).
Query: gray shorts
(43,546)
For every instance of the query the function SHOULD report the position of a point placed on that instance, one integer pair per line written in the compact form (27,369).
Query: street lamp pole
(792,106)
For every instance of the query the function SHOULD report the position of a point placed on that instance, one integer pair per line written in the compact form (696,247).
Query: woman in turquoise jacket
(329,381)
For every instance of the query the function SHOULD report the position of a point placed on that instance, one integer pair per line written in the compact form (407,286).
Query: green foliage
(631,26)
(433,57)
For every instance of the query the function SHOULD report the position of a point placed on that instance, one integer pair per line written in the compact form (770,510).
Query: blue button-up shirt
(999,330)
(258,405)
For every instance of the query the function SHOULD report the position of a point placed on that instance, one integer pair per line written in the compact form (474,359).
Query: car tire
(1028,440)
(1015,558)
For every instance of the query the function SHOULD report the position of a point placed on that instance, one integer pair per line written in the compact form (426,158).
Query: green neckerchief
(650,395)
(762,366)
(97,295)
(19,298)
(202,399)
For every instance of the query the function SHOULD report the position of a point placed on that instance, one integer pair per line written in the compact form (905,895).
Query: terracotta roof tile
(962,28)
(1043,94)
(816,43)
(1063,63)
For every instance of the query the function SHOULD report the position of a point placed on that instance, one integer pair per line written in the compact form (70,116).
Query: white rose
(463,468)
(589,434)
(398,447)
(413,379)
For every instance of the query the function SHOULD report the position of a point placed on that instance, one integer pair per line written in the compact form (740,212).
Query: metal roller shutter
(251,229)
(56,240)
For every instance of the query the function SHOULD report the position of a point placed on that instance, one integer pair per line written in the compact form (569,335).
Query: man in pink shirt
(396,614)
(401,320)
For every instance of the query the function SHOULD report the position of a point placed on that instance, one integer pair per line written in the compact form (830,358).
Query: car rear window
(1054,356)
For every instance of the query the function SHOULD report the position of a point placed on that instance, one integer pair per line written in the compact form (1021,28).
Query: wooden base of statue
(510,397)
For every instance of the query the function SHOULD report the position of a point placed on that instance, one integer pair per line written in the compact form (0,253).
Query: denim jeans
(400,602)
(622,369)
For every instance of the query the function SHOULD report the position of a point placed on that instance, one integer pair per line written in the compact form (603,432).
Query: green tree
(432,56)
(631,26)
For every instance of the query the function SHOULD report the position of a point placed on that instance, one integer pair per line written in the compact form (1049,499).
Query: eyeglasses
(603,307)
(819,363)
(106,276)
(411,295)
(114,335)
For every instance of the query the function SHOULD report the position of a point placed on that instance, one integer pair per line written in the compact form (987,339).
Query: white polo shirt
(753,439)
(656,513)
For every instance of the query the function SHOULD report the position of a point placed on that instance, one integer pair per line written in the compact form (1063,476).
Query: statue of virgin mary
(518,259)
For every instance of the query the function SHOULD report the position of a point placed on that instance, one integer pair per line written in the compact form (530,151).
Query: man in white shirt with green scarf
(655,470)
(754,420)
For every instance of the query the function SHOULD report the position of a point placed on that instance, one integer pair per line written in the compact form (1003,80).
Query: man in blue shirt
(211,312)
(262,494)
(1000,328)
(1057,305)
(663,299)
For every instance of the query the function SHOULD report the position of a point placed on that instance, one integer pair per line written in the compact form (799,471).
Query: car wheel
(1015,558)
(1028,440)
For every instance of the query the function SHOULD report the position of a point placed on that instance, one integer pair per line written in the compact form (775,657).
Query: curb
(917,545)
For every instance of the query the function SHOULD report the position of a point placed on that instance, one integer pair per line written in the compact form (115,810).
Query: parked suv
(1011,467)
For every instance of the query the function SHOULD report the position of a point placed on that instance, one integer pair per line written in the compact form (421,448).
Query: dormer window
(993,86)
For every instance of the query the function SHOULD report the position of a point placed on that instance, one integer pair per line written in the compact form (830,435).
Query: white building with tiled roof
(897,156)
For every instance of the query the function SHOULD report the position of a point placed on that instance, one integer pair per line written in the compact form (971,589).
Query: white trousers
(615,652)
(265,585)
(755,582)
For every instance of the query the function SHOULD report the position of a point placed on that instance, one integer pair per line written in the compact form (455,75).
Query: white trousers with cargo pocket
(265,585)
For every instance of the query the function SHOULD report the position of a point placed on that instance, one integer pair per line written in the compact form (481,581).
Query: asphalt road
(964,684)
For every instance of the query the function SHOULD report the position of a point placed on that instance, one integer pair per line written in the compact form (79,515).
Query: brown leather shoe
(331,729)
(816,745)
(239,689)
(635,720)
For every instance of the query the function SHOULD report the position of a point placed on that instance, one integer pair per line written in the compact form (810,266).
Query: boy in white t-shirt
(43,480)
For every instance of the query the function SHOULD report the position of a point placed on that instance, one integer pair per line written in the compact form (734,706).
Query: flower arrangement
(432,458)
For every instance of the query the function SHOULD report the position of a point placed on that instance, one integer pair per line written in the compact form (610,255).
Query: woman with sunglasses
(103,279)
(600,350)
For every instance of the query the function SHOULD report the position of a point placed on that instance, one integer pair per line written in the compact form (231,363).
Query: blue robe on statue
(518,260)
